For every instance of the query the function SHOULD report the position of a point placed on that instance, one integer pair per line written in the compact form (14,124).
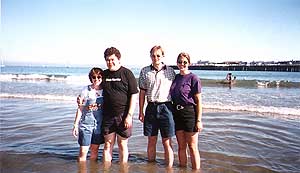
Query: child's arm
(76,121)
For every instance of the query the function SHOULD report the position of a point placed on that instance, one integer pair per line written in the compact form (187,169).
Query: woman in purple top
(186,96)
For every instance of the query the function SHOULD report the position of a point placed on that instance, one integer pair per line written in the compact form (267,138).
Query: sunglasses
(184,62)
(153,56)
(98,77)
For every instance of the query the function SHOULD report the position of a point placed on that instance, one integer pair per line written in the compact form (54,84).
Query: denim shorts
(159,117)
(90,128)
(116,124)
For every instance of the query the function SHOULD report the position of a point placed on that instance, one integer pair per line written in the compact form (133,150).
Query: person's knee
(107,145)
(166,141)
(122,140)
(122,145)
(182,147)
(152,140)
(84,149)
(193,147)
(109,141)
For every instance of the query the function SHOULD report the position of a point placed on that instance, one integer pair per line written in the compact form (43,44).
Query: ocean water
(251,126)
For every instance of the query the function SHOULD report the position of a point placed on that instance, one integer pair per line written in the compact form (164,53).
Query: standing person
(230,79)
(229,76)
(88,119)
(120,93)
(154,82)
(186,96)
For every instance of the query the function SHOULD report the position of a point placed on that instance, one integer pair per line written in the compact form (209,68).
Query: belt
(180,107)
(158,103)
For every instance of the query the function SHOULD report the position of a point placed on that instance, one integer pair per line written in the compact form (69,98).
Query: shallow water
(247,127)
(273,93)
(38,134)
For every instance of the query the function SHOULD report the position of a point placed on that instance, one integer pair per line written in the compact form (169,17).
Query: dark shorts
(116,124)
(185,119)
(159,117)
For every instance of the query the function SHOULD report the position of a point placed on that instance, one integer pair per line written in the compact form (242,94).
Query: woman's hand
(75,131)
(199,126)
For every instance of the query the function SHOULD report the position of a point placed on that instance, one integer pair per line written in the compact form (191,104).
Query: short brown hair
(155,48)
(95,71)
(110,51)
(184,55)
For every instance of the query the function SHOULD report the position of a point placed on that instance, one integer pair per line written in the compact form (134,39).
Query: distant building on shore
(253,63)
(284,66)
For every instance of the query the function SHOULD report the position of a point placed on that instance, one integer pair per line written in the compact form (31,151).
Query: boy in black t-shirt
(120,93)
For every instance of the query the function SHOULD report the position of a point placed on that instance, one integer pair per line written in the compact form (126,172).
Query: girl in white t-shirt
(88,120)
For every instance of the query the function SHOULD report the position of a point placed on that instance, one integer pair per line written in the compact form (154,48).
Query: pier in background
(279,68)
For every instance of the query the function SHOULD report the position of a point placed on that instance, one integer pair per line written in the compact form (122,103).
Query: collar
(163,68)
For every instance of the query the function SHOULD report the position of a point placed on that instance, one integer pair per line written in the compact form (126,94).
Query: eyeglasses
(98,77)
(153,56)
(184,62)
(109,60)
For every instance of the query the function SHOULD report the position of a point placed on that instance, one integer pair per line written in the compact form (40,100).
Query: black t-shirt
(118,86)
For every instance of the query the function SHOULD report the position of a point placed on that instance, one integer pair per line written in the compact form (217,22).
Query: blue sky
(78,31)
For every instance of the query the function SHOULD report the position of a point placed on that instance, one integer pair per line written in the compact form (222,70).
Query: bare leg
(83,153)
(124,168)
(82,167)
(151,150)
(169,154)
(123,149)
(182,146)
(106,166)
(108,147)
(192,140)
(94,151)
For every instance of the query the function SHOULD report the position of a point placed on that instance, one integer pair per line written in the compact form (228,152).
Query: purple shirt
(183,89)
